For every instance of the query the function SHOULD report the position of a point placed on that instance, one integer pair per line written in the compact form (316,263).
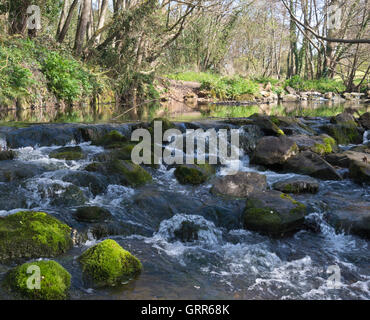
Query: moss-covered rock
(194,174)
(166,124)
(28,234)
(67,153)
(55,281)
(7,155)
(92,214)
(108,264)
(344,133)
(273,151)
(274,213)
(267,124)
(297,185)
(112,140)
(129,173)
(328,145)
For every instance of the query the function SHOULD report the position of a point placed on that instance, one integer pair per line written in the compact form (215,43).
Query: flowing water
(224,262)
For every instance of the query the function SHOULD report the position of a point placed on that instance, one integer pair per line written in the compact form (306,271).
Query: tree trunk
(18,16)
(63,16)
(67,23)
(103,12)
(82,25)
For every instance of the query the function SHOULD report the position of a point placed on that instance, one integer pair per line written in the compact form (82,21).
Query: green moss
(108,264)
(32,235)
(344,135)
(54,281)
(67,155)
(94,167)
(132,174)
(326,147)
(258,218)
(280,132)
(193,174)
(112,140)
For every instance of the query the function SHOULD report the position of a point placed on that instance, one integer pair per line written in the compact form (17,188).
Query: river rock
(108,264)
(344,118)
(266,125)
(95,182)
(364,120)
(67,153)
(297,185)
(354,219)
(359,171)
(92,214)
(194,174)
(290,90)
(321,145)
(26,235)
(290,98)
(55,283)
(250,134)
(344,159)
(15,170)
(12,197)
(240,185)
(274,213)
(274,151)
(344,133)
(7,155)
(311,164)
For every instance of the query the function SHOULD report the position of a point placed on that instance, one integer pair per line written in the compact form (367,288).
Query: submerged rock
(12,197)
(54,285)
(67,153)
(95,182)
(194,174)
(274,151)
(311,164)
(297,185)
(274,213)
(92,214)
(16,170)
(26,235)
(240,185)
(354,219)
(7,155)
(108,264)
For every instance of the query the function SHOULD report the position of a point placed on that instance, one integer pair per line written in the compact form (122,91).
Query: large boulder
(16,170)
(344,133)
(321,145)
(274,151)
(112,140)
(240,185)
(55,281)
(345,159)
(194,174)
(359,171)
(266,125)
(364,120)
(108,264)
(297,185)
(344,118)
(354,219)
(26,235)
(311,164)
(274,213)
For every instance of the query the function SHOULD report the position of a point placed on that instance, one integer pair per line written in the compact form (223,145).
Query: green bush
(322,85)
(66,78)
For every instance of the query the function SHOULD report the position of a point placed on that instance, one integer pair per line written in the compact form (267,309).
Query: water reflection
(175,110)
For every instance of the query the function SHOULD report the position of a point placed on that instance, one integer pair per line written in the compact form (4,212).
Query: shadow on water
(173,110)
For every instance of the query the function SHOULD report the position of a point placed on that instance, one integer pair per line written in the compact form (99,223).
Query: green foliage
(108,264)
(67,79)
(322,85)
(55,281)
